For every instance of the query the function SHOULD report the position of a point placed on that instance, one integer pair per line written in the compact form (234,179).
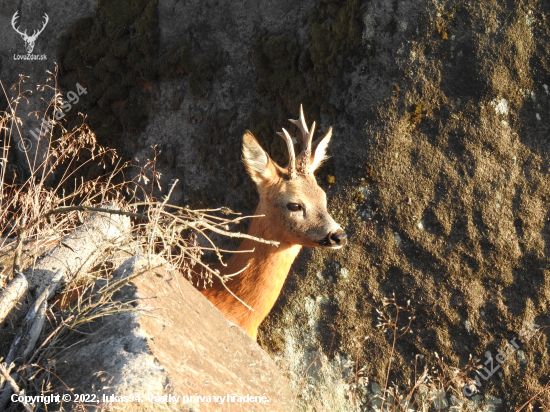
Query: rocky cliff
(439,171)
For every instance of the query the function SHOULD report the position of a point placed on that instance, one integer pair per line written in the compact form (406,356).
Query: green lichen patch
(290,74)
(285,80)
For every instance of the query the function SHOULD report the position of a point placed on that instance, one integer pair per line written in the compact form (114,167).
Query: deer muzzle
(335,239)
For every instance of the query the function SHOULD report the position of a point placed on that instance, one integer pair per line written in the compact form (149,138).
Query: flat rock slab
(177,352)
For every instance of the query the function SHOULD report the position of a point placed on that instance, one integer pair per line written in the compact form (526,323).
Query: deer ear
(319,149)
(257,162)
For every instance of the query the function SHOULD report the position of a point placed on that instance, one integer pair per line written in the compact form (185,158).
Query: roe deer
(295,214)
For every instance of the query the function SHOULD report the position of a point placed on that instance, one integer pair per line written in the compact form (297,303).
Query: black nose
(338,238)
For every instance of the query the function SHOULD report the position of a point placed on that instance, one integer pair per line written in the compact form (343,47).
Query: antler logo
(29,40)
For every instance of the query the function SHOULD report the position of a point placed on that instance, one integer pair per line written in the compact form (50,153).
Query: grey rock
(175,343)
(62,15)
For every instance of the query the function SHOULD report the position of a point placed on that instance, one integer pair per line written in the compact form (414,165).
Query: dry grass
(340,385)
(51,196)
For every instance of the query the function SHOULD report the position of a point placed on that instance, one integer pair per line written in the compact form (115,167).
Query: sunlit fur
(260,284)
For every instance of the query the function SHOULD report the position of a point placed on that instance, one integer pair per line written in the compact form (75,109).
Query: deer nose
(338,238)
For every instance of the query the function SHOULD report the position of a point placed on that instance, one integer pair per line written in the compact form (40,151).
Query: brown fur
(260,284)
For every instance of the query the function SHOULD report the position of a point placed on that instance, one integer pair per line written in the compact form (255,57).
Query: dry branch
(79,250)
(75,253)
(12,294)
(66,209)
(28,335)
(5,374)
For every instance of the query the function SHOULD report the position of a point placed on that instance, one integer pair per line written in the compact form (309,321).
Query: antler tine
(14,21)
(15,17)
(301,123)
(37,32)
(291,155)
(305,156)
(46,20)
(307,142)
(307,137)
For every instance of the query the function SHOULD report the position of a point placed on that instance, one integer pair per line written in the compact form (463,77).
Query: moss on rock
(115,55)
(290,74)
(335,31)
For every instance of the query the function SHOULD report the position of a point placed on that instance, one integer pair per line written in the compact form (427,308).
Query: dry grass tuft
(51,196)
(340,385)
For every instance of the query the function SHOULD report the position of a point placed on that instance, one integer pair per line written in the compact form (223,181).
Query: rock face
(440,158)
(30,17)
(176,344)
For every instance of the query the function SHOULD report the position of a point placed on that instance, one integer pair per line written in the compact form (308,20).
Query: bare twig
(230,234)
(63,324)
(534,397)
(21,234)
(5,373)
(392,324)
(67,209)
(155,220)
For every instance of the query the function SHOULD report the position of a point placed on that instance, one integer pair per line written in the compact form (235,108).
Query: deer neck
(268,265)
(260,284)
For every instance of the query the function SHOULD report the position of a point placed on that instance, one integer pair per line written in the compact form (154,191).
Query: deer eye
(294,207)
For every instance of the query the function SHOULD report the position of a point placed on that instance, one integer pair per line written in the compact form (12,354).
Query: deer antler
(307,137)
(35,33)
(24,34)
(291,155)
(301,123)
(303,158)
(14,20)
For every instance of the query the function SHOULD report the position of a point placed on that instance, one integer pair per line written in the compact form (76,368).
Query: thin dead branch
(33,212)
(5,374)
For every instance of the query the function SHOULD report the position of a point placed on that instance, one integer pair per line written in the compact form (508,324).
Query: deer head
(29,40)
(294,210)
(294,205)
